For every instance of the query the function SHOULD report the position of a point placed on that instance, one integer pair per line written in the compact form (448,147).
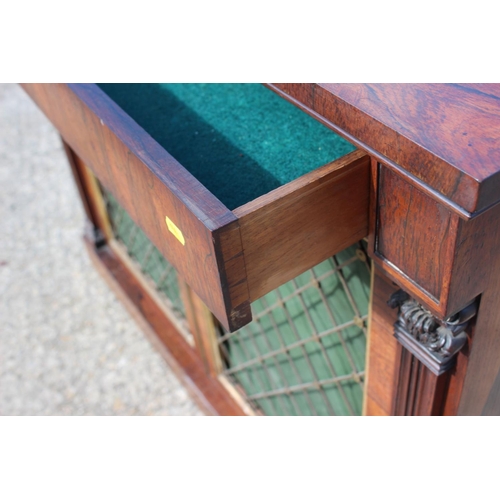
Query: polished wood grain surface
(445,135)
(427,249)
(431,204)
(285,232)
(414,233)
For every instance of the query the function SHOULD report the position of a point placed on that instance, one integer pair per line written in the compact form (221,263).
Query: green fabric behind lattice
(239,140)
(260,338)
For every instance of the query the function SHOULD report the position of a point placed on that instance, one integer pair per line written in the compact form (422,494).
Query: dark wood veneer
(420,246)
(481,390)
(426,248)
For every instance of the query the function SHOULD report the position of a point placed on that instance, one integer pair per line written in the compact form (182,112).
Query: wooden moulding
(227,258)
(202,325)
(419,391)
(91,196)
(428,355)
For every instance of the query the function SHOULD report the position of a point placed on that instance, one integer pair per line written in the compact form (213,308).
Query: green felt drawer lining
(239,140)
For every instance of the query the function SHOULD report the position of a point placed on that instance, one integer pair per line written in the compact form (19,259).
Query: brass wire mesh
(145,254)
(304,351)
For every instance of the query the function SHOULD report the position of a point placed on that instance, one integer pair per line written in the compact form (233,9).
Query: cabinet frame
(454,200)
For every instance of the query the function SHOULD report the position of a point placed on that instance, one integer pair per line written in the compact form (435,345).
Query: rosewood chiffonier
(300,249)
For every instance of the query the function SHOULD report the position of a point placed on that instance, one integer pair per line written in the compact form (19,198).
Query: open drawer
(288,192)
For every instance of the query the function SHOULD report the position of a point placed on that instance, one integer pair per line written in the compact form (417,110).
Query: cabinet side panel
(481,389)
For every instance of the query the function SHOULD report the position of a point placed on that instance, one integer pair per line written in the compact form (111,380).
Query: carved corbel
(433,342)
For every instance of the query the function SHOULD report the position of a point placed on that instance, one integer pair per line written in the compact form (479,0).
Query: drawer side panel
(300,225)
(151,186)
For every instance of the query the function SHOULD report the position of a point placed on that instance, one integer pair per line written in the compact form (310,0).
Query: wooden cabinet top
(446,136)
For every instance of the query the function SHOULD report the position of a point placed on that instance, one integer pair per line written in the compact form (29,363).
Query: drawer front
(228,258)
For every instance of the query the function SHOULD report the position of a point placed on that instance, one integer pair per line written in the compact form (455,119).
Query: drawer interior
(240,141)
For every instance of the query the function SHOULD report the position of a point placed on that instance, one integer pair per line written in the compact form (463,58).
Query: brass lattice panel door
(304,352)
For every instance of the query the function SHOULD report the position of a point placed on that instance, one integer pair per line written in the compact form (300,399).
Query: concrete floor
(67,345)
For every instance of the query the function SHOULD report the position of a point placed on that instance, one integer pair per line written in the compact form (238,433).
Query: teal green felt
(239,140)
